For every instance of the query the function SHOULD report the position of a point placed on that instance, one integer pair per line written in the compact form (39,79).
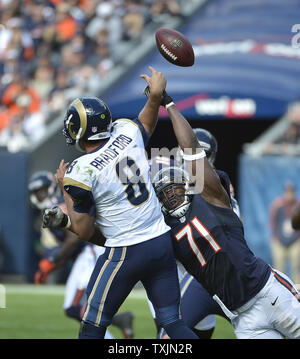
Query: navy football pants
(117,271)
(196,303)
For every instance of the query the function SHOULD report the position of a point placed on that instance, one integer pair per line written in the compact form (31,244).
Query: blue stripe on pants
(101,284)
(117,271)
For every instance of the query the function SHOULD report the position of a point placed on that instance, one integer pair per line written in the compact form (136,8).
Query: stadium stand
(282,138)
(52,51)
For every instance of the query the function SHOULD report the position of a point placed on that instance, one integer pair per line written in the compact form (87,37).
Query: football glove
(165,100)
(55,218)
(45,267)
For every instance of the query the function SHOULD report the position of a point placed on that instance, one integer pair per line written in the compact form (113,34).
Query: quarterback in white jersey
(111,202)
(117,174)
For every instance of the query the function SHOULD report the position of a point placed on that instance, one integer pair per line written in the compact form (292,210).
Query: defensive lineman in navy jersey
(208,239)
(111,202)
(242,275)
(198,308)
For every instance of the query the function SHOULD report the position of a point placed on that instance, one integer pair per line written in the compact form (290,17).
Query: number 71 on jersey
(188,232)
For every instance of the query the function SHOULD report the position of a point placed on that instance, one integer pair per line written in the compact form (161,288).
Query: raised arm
(208,181)
(149,114)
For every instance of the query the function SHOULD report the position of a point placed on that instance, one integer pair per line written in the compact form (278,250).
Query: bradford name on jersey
(113,183)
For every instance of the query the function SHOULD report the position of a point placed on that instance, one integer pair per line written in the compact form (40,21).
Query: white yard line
(55,290)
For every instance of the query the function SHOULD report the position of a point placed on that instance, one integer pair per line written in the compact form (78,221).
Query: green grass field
(36,313)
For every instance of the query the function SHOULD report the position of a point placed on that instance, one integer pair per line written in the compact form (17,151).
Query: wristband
(169,104)
(166,100)
(194,157)
(66,222)
(69,223)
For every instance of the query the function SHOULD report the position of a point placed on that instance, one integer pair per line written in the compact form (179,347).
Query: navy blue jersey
(226,183)
(225,180)
(209,241)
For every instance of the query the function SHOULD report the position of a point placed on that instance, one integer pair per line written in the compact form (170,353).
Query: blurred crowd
(52,51)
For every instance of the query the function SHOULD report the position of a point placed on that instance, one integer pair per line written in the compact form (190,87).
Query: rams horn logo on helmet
(91,120)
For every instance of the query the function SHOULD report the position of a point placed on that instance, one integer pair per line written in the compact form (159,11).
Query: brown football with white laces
(175,47)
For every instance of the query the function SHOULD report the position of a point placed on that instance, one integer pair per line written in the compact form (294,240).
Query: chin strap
(182,209)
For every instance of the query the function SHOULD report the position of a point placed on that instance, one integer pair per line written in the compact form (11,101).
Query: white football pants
(274,313)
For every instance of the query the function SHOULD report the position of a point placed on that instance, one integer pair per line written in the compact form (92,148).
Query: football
(175,47)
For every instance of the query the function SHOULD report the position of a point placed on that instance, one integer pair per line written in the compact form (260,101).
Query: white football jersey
(117,174)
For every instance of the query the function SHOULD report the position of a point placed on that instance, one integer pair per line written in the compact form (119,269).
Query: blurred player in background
(285,241)
(208,239)
(45,193)
(108,190)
